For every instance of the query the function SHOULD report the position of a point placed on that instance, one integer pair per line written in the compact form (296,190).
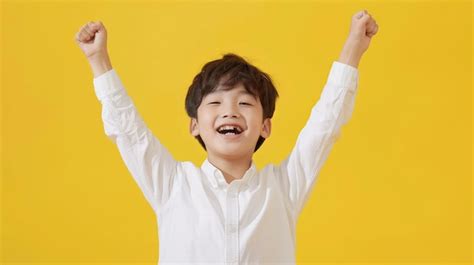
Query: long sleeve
(149,162)
(298,172)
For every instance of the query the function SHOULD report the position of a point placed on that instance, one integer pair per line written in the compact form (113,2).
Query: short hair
(230,71)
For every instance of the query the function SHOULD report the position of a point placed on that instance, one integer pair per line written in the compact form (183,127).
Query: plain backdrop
(397,186)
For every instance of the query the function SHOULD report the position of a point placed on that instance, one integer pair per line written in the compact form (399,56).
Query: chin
(232,153)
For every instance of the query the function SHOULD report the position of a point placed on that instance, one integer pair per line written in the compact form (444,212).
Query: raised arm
(299,171)
(149,162)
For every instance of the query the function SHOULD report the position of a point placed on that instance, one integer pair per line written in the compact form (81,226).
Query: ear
(267,128)
(193,127)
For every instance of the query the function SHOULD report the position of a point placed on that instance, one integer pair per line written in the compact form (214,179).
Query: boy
(227,212)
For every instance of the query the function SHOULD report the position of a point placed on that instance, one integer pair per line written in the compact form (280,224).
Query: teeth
(229,127)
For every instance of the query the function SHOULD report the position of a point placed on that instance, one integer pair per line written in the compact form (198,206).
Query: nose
(230,111)
(230,116)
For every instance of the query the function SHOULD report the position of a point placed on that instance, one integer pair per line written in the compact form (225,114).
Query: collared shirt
(201,218)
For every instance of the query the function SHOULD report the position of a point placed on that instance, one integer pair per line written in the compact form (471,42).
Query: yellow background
(396,187)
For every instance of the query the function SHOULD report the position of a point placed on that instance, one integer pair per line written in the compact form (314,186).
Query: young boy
(226,211)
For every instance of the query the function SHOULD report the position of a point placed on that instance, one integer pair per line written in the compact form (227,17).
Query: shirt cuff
(107,83)
(343,75)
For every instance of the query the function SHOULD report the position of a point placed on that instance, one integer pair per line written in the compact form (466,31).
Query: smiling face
(230,123)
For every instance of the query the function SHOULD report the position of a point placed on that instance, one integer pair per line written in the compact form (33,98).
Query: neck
(231,168)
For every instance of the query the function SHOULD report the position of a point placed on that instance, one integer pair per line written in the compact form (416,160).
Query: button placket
(232,224)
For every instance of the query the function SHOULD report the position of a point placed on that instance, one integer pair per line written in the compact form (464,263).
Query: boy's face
(241,111)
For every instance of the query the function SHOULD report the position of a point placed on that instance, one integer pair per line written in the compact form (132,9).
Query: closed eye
(214,102)
(245,103)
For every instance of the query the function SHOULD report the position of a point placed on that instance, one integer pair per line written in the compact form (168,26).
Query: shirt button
(232,228)
(232,193)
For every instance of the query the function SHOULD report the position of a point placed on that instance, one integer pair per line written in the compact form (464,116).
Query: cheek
(206,121)
(256,116)
(255,123)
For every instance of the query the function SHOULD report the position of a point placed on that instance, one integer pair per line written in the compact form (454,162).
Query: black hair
(230,71)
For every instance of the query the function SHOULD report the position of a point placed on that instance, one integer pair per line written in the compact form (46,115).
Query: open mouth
(229,130)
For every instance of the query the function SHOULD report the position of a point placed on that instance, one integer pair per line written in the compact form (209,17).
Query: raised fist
(363,28)
(92,39)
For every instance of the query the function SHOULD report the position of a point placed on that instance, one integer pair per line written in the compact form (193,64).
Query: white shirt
(201,218)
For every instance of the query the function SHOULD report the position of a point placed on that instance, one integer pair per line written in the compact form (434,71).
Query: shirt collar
(217,180)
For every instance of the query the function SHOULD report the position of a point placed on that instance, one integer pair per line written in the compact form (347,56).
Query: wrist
(100,63)
(350,54)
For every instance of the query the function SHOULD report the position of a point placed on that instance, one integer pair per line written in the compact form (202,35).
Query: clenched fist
(363,28)
(92,39)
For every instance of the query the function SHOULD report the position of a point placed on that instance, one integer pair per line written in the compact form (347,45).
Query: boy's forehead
(239,89)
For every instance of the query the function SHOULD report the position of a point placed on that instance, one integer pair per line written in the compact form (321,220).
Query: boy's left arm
(299,170)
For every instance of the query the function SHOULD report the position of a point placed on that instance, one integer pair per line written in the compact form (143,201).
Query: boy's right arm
(149,162)
(100,64)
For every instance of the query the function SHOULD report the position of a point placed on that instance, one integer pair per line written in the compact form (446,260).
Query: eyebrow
(241,92)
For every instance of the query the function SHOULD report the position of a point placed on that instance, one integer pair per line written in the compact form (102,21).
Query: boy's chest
(211,211)
(207,224)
